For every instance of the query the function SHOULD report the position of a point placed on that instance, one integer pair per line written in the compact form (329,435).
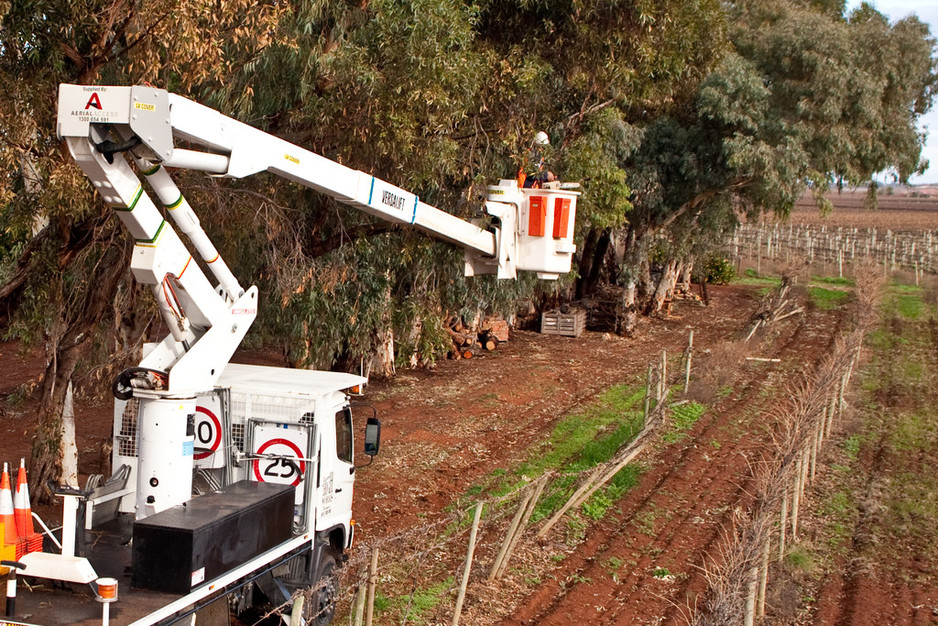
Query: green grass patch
(765,283)
(416,605)
(583,440)
(914,431)
(827,299)
(834,280)
(897,424)
(596,507)
(910,306)
(683,417)
(578,443)
(851,447)
(801,558)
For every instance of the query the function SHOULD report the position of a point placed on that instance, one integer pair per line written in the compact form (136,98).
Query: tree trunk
(686,272)
(591,264)
(630,263)
(586,261)
(80,305)
(69,453)
(45,455)
(665,287)
(627,318)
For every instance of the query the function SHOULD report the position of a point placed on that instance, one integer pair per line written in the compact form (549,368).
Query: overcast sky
(927,11)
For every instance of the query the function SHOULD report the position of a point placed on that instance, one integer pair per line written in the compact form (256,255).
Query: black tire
(320,607)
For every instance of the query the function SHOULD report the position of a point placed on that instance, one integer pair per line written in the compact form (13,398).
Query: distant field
(896,212)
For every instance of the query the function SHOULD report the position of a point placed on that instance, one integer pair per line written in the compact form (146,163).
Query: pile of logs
(775,306)
(468,341)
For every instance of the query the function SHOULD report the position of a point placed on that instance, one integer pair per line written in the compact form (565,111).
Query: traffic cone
(30,540)
(7,516)
(21,509)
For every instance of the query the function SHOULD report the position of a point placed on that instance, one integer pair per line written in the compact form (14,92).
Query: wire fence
(419,571)
(738,575)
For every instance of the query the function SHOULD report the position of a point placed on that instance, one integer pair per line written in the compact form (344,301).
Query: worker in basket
(534,173)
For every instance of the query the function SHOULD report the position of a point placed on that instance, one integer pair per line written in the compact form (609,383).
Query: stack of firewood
(468,341)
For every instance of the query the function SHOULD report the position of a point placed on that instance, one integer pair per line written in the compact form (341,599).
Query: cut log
(458,338)
(488,342)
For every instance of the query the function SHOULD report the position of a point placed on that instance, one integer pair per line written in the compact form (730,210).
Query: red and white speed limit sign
(286,469)
(207,433)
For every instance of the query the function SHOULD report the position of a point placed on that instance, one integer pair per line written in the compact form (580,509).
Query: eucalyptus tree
(804,98)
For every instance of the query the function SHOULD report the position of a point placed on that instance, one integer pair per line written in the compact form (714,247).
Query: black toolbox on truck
(178,549)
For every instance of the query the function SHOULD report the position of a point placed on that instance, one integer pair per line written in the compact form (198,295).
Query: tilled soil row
(645,567)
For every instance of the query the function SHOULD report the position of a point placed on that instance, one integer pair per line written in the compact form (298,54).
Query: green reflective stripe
(175,205)
(153,170)
(150,242)
(133,202)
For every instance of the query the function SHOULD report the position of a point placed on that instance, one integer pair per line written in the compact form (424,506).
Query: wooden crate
(567,324)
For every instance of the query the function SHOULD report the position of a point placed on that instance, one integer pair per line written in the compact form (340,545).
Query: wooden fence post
(764,581)
(360,605)
(750,617)
(593,477)
(509,535)
(690,352)
(529,509)
(796,499)
(648,392)
(468,567)
(372,584)
(783,525)
(812,456)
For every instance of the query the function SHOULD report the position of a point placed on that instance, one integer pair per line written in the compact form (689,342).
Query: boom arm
(106,126)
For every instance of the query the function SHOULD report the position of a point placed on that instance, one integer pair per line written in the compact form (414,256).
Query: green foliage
(719,270)
(834,280)
(801,558)
(675,116)
(851,446)
(578,443)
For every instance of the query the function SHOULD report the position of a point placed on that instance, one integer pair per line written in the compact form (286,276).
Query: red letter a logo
(93,102)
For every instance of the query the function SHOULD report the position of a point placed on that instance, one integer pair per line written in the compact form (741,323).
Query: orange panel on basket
(561,217)
(537,215)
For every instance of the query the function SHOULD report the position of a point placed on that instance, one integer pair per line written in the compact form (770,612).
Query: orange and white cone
(7,516)
(21,508)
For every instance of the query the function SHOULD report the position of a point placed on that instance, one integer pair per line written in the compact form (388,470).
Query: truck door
(337,471)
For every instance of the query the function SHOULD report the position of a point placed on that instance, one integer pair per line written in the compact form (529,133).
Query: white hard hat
(541,138)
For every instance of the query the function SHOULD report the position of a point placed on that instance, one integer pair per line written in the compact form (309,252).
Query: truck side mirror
(372,436)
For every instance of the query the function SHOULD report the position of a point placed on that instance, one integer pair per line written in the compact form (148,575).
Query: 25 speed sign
(284,448)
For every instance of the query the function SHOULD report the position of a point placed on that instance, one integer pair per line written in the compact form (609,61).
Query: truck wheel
(320,609)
